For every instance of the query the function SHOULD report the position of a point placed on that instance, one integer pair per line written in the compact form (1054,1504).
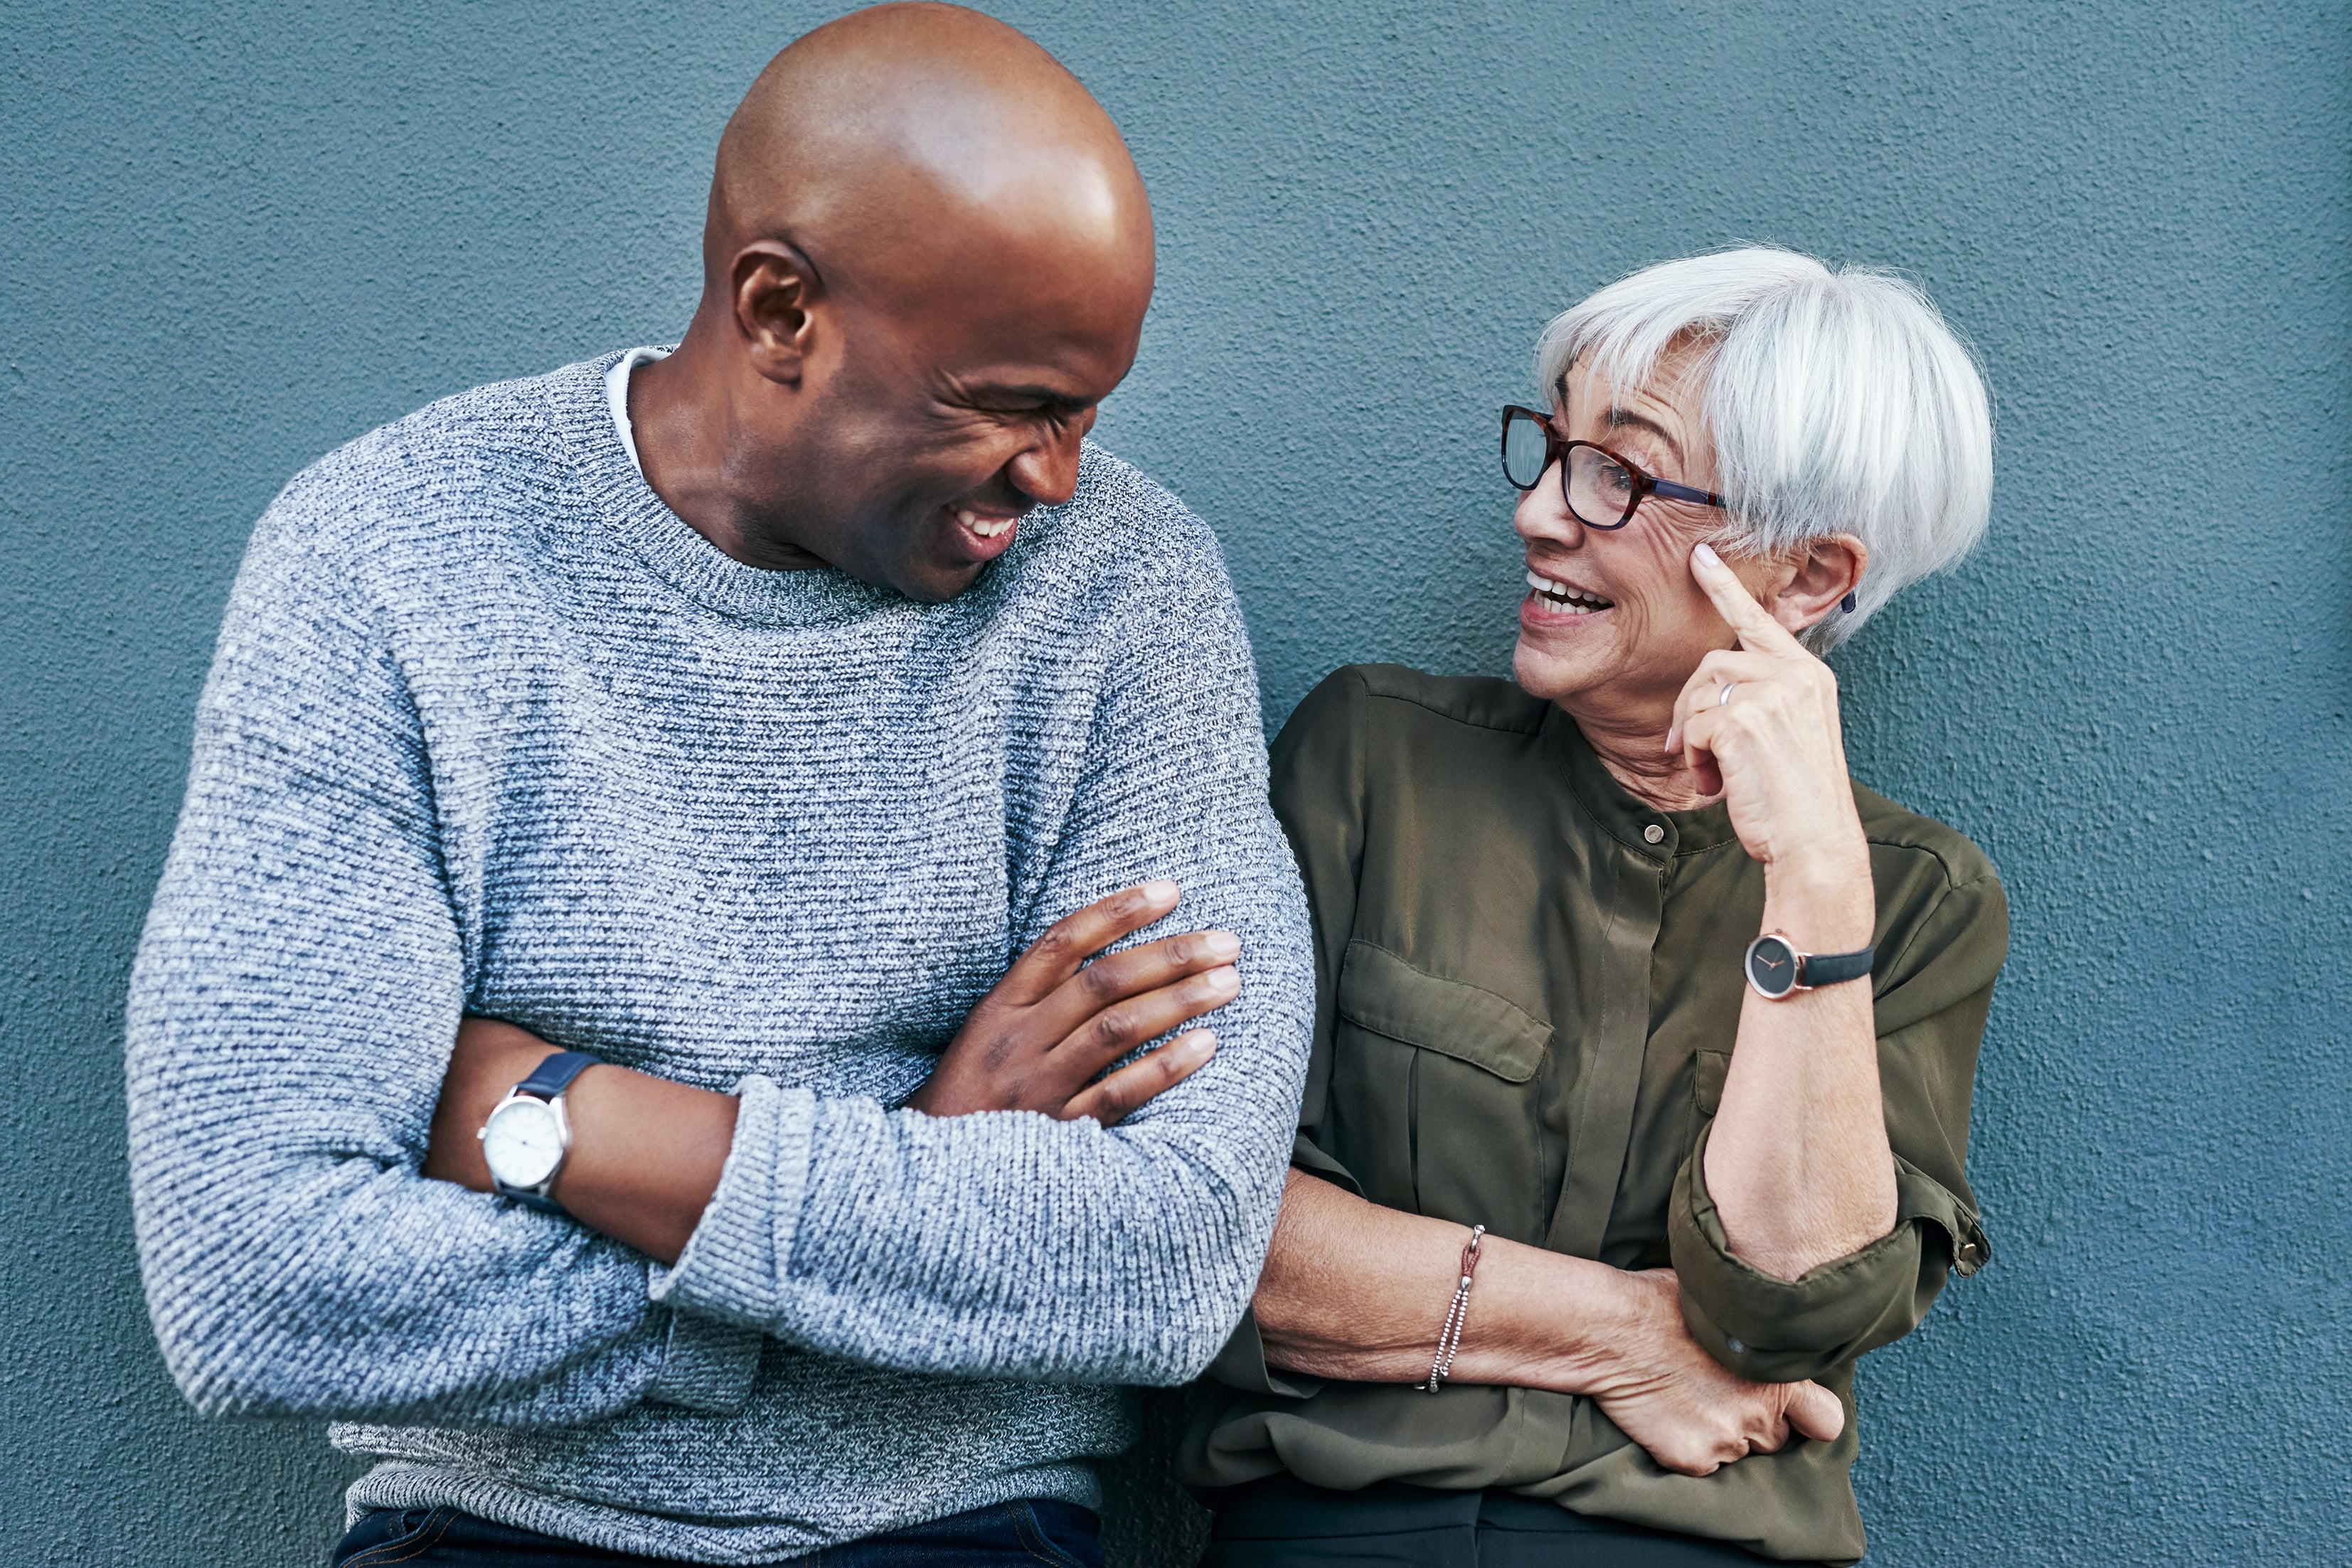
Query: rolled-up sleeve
(1932,999)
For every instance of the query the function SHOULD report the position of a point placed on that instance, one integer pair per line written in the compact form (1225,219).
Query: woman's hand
(1664,1391)
(1758,724)
(1039,1038)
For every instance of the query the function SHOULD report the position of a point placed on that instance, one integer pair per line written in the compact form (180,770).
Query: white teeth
(1563,597)
(971,520)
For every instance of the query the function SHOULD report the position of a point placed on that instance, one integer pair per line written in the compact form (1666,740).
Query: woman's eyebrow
(1622,418)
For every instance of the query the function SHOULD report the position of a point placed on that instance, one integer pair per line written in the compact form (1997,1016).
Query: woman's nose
(1542,513)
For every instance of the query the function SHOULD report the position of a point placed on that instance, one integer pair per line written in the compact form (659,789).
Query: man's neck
(1633,747)
(681,412)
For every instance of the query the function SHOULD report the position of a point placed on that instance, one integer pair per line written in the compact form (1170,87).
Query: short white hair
(1838,402)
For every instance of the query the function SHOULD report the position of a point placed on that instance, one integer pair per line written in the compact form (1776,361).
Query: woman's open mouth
(1560,598)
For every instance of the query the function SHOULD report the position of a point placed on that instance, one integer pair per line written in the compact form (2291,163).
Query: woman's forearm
(1798,1164)
(1356,1292)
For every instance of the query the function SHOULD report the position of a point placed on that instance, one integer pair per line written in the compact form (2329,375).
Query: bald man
(615,1032)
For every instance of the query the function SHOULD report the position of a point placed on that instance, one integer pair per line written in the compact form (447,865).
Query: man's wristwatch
(1777,971)
(527,1135)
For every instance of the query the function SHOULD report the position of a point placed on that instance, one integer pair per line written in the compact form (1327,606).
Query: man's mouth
(1560,596)
(982,526)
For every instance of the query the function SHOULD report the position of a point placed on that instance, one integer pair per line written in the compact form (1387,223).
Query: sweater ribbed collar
(640,522)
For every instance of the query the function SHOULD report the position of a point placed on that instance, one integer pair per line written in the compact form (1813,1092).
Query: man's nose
(1048,473)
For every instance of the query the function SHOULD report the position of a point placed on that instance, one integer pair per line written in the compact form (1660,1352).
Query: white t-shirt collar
(616,397)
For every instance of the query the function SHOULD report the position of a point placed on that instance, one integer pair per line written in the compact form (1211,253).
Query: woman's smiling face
(1621,622)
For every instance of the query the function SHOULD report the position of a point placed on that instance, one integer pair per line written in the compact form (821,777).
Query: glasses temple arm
(1666,489)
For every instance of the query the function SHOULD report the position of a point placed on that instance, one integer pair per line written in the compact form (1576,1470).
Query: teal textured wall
(239,234)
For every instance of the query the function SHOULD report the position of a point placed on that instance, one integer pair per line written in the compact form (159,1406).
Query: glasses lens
(1526,446)
(1599,490)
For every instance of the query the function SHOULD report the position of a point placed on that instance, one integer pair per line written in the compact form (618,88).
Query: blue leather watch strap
(554,1075)
(1830,968)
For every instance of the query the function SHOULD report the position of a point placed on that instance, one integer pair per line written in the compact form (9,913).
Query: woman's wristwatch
(528,1134)
(1777,971)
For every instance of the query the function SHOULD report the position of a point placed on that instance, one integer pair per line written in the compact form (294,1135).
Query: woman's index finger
(1732,600)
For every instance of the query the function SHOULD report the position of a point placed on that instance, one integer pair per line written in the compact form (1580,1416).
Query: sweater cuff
(733,1265)
(1779,1331)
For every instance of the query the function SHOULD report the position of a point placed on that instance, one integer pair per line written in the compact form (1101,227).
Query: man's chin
(934,582)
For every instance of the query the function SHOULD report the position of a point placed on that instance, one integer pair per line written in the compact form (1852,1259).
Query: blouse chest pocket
(1436,1093)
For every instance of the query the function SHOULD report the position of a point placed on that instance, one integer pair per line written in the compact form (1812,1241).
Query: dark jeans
(1282,1523)
(1057,1534)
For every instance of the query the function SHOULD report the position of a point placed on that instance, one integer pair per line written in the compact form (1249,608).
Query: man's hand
(1039,1039)
(1693,1417)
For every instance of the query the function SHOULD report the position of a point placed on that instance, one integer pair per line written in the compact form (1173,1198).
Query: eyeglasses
(1601,488)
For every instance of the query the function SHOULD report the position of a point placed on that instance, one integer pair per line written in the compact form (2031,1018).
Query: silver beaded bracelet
(1449,1338)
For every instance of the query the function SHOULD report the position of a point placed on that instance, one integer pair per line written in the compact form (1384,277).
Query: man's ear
(776,291)
(1831,569)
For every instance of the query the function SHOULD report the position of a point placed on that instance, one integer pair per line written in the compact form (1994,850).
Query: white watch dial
(523,1142)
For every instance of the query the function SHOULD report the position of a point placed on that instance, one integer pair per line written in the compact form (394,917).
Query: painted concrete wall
(239,234)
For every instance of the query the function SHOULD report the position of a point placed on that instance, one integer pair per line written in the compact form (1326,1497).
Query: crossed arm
(647,1153)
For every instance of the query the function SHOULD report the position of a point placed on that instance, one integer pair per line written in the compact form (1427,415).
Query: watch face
(523,1142)
(1772,966)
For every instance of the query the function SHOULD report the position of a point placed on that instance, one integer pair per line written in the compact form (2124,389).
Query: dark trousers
(1029,1533)
(1282,1523)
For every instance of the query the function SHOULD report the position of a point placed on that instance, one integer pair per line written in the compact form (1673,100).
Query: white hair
(1837,402)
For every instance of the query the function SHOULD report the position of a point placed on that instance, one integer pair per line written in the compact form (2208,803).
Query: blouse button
(1653,833)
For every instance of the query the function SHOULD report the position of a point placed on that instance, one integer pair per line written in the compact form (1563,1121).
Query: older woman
(1645,1036)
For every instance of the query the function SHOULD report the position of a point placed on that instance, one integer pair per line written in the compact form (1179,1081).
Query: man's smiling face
(960,406)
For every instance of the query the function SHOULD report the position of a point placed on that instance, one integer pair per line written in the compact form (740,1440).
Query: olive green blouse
(1529,984)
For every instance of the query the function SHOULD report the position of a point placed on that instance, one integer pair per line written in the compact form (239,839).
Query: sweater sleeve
(293,1010)
(1011,1244)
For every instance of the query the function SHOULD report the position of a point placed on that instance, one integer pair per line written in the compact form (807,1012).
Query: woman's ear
(1828,574)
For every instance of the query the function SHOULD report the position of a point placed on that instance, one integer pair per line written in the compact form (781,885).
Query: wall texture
(237,234)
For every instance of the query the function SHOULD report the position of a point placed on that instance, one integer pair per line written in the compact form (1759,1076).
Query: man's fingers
(1125,1025)
(1070,941)
(1815,1411)
(1111,1100)
(1119,976)
(1757,629)
(1116,978)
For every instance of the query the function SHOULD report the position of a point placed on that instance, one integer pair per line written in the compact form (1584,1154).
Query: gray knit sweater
(489,729)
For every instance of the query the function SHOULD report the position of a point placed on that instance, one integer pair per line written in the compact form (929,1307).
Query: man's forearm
(646,1152)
